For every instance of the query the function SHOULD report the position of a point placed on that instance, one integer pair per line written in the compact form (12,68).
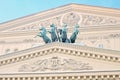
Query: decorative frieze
(35,26)
(99,36)
(71,19)
(89,20)
(115,35)
(55,64)
(30,40)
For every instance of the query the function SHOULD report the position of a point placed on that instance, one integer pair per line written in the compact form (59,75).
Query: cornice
(62,73)
(90,75)
(63,48)
(95,9)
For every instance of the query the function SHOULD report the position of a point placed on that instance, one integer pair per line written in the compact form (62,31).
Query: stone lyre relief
(58,35)
(55,64)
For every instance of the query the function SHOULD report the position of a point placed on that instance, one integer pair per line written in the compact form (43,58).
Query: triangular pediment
(85,16)
(60,57)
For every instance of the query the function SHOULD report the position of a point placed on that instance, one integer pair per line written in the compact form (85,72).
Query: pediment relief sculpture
(55,64)
(98,20)
(71,19)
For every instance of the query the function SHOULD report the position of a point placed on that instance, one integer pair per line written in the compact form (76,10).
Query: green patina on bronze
(58,35)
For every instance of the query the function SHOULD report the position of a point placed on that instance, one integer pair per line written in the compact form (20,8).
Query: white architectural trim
(63,48)
(104,75)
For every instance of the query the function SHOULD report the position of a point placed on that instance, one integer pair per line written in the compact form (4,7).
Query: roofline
(35,13)
(55,8)
(96,6)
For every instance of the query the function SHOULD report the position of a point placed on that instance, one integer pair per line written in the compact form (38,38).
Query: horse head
(42,34)
(63,33)
(43,30)
(52,28)
(53,33)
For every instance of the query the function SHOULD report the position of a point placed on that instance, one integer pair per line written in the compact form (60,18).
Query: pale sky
(12,9)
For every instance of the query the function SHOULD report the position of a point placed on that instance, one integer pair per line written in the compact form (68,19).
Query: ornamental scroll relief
(98,20)
(55,64)
(71,19)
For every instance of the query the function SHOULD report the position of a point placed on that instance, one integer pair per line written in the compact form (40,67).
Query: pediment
(60,57)
(85,16)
